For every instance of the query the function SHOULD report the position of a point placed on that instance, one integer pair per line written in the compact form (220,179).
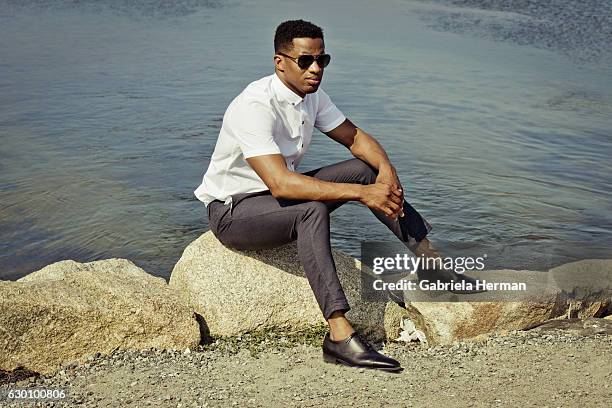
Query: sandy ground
(545,367)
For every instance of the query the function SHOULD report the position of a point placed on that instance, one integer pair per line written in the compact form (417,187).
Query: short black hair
(288,30)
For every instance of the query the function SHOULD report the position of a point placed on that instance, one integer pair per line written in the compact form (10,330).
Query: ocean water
(497,115)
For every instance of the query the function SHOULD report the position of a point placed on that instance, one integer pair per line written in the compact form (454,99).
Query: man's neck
(281,77)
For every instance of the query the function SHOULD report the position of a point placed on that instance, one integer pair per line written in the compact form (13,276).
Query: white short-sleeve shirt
(265,118)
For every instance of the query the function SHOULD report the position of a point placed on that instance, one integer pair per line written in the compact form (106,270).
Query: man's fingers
(397,206)
(392,191)
(400,188)
(394,186)
(394,207)
(389,212)
(395,194)
(397,200)
(400,209)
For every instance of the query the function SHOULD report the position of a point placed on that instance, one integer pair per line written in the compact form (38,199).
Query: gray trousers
(259,221)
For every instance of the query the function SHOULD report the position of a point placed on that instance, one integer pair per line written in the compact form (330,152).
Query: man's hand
(388,175)
(383,197)
(363,146)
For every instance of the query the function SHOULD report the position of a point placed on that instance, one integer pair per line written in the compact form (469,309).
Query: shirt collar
(283,93)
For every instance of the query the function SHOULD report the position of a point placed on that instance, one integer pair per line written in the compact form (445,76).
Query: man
(256,199)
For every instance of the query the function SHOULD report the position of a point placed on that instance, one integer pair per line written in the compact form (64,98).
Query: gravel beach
(553,367)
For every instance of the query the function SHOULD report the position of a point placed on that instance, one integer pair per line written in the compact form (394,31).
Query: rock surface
(245,291)
(588,284)
(579,291)
(69,310)
(579,327)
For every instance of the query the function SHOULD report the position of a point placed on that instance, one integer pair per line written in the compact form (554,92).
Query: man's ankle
(339,327)
(335,336)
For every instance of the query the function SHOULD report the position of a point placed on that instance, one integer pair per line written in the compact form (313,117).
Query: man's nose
(315,68)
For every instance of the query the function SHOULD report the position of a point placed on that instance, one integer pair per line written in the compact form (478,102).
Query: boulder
(578,289)
(588,326)
(246,291)
(588,285)
(69,310)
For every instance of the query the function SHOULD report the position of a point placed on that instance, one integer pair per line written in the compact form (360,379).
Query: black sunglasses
(304,61)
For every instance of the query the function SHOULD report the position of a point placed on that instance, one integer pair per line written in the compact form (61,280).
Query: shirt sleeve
(254,129)
(329,116)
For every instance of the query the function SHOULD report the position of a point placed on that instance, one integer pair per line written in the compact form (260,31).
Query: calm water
(497,114)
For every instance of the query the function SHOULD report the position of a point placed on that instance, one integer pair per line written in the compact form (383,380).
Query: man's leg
(410,229)
(260,221)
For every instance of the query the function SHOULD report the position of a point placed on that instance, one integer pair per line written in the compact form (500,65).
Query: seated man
(256,199)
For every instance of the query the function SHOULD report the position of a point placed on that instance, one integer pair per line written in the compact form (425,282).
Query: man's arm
(363,146)
(284,183)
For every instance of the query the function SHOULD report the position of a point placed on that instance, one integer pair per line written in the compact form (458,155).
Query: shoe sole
(338,361)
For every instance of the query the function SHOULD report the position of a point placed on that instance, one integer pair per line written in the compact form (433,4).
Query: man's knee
(315,213)
(316,208)
(365,173)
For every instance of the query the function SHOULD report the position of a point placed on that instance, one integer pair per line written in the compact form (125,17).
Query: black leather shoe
(355,351)
(446,276)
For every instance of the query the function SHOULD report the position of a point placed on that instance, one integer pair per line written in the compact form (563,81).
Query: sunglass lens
(304,61)
(324,60)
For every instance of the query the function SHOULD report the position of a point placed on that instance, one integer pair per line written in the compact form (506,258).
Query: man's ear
(278,63)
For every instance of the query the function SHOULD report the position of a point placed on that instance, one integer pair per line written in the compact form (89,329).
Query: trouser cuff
(413,225)
(340,305)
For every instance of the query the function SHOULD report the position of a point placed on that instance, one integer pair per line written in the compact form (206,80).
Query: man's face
(301,81)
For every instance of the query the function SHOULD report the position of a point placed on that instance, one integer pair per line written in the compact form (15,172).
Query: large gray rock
(69,310)
(578,289)
(587,326)
(245,291)
(588,284)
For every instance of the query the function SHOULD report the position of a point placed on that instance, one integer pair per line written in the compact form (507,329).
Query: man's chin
(311,88)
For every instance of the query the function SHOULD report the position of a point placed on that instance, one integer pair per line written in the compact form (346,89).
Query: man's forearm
(297,186)
(366,148)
